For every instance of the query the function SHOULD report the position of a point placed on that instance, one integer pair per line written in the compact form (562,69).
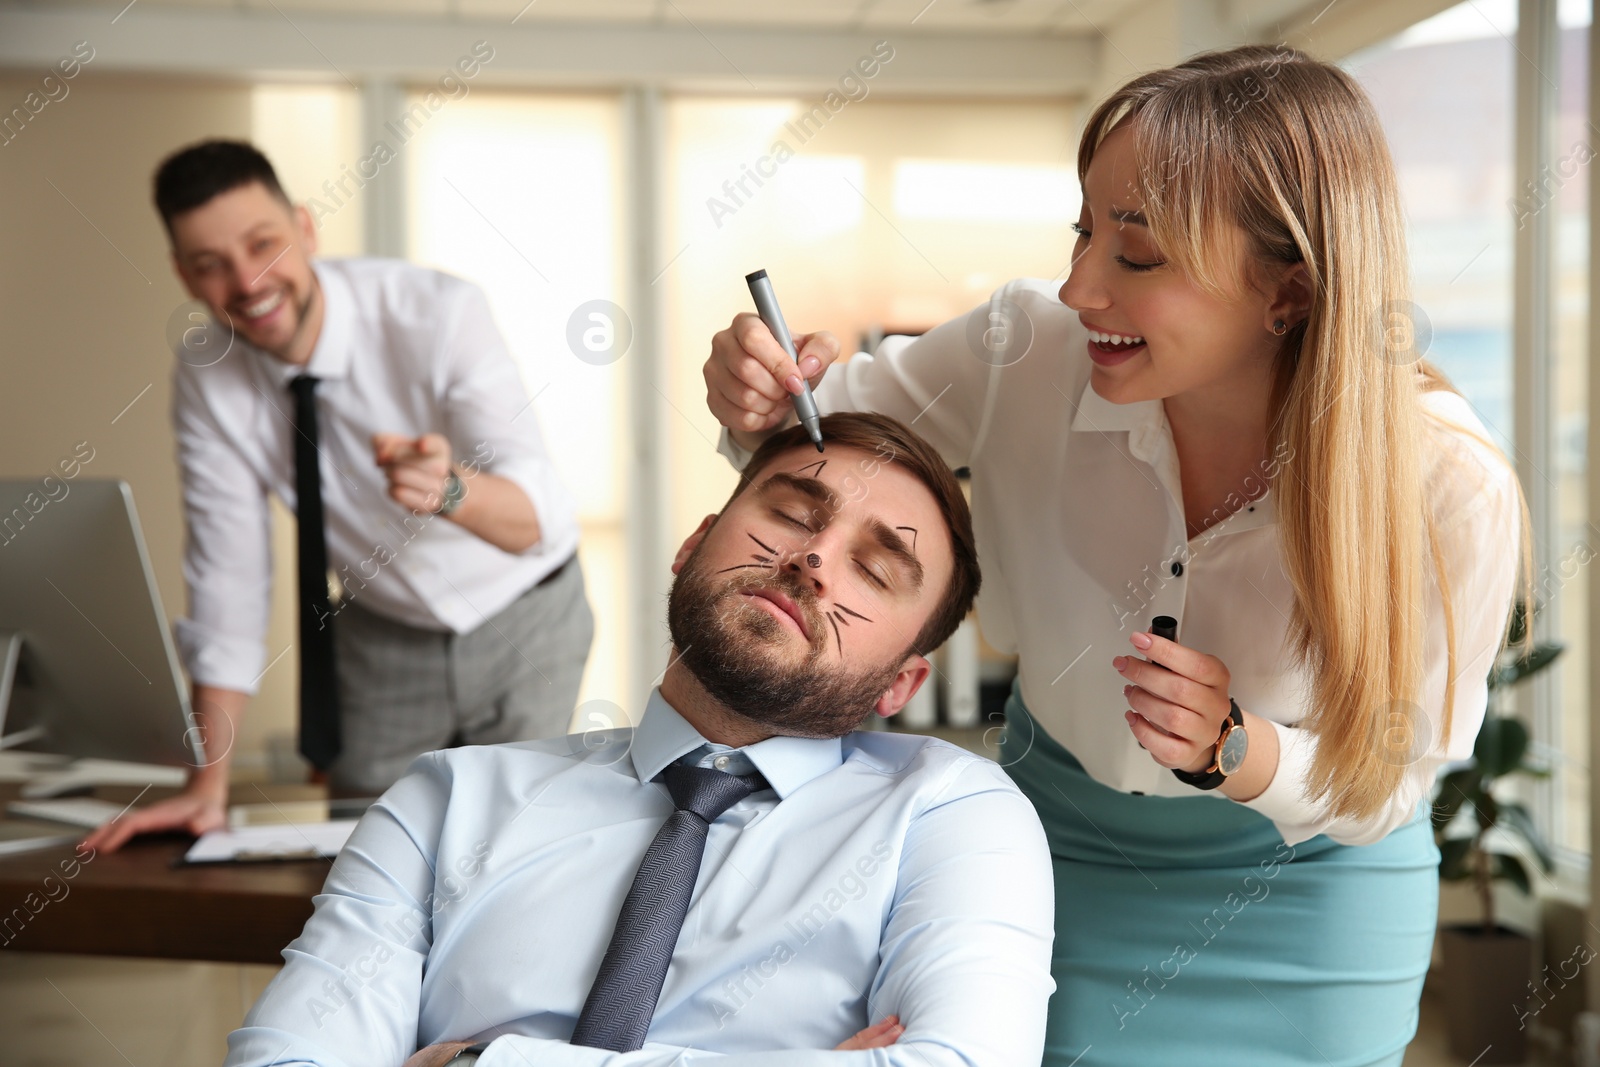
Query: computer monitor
(87,664)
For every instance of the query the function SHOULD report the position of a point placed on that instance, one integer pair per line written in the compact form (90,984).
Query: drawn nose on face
(813,560)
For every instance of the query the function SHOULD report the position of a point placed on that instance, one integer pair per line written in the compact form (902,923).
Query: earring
(1279,327)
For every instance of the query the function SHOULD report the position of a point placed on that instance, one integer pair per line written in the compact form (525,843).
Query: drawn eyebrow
(812,488)
(913,530)
(895,545)
(819,464)
(819,492)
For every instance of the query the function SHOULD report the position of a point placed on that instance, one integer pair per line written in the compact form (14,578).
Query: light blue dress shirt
(880,874)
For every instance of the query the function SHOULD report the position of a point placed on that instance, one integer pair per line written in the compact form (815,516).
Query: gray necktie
(622,1001)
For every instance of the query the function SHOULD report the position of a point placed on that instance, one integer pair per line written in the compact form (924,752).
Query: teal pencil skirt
(1188,932)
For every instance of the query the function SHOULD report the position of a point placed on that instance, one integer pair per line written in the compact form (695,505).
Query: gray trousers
(405,691)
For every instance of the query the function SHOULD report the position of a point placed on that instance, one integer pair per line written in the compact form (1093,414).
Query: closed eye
(791,520)
(1126,263)
(873,576)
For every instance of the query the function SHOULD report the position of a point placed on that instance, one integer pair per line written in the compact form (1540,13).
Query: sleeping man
(741,877)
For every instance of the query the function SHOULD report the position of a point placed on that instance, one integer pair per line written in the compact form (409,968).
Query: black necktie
(319,685)
(622,1000)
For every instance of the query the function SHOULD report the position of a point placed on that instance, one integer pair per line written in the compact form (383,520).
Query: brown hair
(1289,149)
(895,442)
(191,176)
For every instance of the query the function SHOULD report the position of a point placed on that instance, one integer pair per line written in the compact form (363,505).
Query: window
(895,213)
(1563,731)
(522,194)
(1445,89)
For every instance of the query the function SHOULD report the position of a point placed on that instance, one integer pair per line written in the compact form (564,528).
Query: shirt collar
(1150,439)
(663,736)
(330,359)
(1097,414)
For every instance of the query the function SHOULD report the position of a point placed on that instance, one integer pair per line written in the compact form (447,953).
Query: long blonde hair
(1290,150)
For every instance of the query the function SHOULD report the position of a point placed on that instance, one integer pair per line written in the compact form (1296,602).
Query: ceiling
(1055,17)
(967,47)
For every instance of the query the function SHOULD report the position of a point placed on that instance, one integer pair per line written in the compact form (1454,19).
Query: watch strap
(454,491)
(1213,776)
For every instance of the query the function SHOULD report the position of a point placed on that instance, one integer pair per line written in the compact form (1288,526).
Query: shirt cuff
(226,661)
(553,506)
(1284,799)
(729,448)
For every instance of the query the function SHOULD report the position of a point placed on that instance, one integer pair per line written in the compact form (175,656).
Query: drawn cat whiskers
(767,560)
(836,614)
(745,566)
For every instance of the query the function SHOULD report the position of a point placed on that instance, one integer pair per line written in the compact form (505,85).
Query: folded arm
(964,956)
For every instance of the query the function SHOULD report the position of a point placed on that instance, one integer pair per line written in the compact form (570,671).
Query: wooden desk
(134,902)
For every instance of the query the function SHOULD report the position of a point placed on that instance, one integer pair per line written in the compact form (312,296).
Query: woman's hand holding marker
(1179,699)
(750,379)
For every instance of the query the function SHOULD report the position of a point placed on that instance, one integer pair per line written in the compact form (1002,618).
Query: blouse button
(1177,568)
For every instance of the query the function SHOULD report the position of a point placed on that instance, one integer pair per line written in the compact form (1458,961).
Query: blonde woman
(1220,417)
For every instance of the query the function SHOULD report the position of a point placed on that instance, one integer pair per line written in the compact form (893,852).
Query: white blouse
(1078,513)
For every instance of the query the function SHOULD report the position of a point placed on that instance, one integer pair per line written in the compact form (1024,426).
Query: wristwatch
(1226,758)
(468,1055)
(455,490)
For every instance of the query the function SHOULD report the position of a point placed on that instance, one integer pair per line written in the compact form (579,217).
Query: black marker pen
(1164,626)
(766,300)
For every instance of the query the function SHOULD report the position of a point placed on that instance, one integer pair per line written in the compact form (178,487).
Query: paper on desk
(19,837)
(308,840)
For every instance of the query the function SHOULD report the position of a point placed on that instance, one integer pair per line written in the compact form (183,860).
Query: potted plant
(1486,966)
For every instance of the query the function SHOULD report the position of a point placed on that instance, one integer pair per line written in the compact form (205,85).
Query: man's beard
(301,310)
(731,649)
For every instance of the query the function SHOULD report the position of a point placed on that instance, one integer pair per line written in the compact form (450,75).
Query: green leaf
(1453,853)
(1516,817)
(1487,809)
(1543,654)
(1519,622)
(1455,789)
(1511,869)
(1502,743)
